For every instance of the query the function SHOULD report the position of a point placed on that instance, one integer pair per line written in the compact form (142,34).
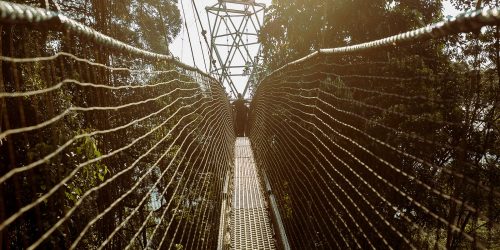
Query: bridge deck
(250,226)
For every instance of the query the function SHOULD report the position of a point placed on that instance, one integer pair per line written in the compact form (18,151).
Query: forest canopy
(395,142)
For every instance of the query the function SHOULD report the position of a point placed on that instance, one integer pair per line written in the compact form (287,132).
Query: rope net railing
(389,144)
(104,145)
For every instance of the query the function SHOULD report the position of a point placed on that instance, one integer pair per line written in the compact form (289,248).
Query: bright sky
(181,49)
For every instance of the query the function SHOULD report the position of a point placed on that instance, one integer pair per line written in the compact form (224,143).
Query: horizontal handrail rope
(340,65)
(229,148)
(406,134)
(445,170)
(145,197)
(60,84)
(345,164)
(366,105)
(321,63)
(136,184)
(204,233)
(88,192)
(409,176)
(69,142)
(76,108)
(204,159)
(414,137)
(356,190)
(164,212)
(310,194)
(205,129)
(380,93)
(463,23)
(44,197)
(288,76)
(351,170)
(289,226)
(360,103)
(351,201)
(343,191)
(202,210)
(375,77)
(287,100)
(202,218)
(257,118)
(191,176)
(228,128)
(96,37)
(81,59)
(19,13)
(383,110)
(298,151)
(127,169)
(325,62)
(352,186)
(91,63)
(418,204)
(306,68)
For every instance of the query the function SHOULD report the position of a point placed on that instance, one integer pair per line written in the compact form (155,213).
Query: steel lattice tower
(234,46)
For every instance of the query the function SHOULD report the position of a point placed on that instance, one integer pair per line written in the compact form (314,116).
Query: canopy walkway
(250,228)
(388,144)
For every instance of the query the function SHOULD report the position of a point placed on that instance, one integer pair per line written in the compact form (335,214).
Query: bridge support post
(276,217)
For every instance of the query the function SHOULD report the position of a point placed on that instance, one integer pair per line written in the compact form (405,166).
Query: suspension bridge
(376,145)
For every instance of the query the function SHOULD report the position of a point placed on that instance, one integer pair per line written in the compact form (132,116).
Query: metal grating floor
(250,226)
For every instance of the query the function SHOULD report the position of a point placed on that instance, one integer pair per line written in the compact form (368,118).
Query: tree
(118,19)
(435,100)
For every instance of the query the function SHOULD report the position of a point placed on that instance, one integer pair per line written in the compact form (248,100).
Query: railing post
(277,222)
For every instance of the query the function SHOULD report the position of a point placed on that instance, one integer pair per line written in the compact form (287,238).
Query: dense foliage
(295,28)
(397,145)
(131,150)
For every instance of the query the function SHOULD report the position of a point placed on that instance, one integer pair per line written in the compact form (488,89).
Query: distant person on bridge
(241,111)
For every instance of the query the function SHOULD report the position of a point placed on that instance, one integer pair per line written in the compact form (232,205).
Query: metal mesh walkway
(250,226)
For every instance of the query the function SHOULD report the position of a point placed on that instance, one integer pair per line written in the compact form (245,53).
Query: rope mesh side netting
(103,145)
(395,147)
